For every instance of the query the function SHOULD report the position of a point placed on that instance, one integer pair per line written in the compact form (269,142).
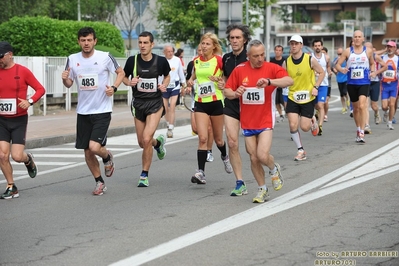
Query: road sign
(229,12)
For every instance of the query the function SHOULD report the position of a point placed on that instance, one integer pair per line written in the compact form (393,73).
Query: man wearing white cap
(389,82)
(301,68)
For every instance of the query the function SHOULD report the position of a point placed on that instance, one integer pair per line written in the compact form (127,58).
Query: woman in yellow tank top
(208,102)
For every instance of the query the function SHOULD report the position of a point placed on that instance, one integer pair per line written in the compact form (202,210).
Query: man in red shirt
(14,82)
(254,83)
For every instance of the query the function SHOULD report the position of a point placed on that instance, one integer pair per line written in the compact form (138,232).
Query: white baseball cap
(296,38)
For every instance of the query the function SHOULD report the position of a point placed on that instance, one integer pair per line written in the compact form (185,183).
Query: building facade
(334,21)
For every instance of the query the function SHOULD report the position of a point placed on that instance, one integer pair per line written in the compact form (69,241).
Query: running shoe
(143,181)
(31,166)
(109,166)
(367,129)
(300,156)
(227,164)
(360,138)
(241,189)
(209,157)
(377,118)
(351,114)
(169,133)
(348,103)
(11,192)
(314,127)
(281,119)
(320,130)
(199,178)
(393,120)
(325,118)
(343,111)
(99,189)
(262,196)
(161,151)
(385,117)
(317,115)
(277,179)
(390,126)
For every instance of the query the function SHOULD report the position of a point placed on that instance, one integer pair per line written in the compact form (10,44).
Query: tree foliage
(126,17)
(91,10)
(43,36)
(394,3)
(183,20)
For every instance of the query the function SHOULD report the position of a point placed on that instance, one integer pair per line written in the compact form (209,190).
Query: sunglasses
(388,46)
(2,55)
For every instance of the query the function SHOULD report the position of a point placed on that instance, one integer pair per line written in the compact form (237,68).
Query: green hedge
(43,36)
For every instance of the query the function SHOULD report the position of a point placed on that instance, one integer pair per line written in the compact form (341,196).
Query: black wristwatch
(268,80)
(30,101)
(316,87)
(115,88)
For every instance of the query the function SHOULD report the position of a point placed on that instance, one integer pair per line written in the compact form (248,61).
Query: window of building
(389,14)
(327,16)
(397,15)
(363,14)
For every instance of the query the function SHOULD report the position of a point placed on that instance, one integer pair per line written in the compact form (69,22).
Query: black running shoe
(31,166)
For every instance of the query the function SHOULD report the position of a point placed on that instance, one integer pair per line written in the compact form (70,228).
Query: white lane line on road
(277,205)
(378,164)
(80,151)
(183,134)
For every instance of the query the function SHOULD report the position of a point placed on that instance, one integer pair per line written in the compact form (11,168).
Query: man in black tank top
(142,73)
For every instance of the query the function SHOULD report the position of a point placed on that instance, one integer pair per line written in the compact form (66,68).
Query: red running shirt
(257,106)
(14,84)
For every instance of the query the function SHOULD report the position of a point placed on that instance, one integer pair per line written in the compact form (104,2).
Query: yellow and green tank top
(207,91)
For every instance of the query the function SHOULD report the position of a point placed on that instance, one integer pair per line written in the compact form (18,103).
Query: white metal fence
(48,71)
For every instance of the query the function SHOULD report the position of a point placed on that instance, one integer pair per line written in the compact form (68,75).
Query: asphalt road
(338,206)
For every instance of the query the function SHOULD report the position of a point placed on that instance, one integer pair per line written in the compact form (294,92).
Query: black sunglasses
(2,55)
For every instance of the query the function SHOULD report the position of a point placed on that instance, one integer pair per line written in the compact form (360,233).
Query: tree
(97,10)
(93,10)
(126,17)
(183,20)
(394,4)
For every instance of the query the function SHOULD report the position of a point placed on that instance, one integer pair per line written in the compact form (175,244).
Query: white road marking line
(183,133)
(379,164)
(277,205)
(81,151)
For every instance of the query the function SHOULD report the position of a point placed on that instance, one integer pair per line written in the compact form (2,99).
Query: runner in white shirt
(90,69)
(173,90)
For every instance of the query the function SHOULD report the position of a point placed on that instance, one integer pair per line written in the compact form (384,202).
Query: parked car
(286,51)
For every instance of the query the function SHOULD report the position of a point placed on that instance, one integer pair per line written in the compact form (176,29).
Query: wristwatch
(115,88)
(30,101)
(316,87)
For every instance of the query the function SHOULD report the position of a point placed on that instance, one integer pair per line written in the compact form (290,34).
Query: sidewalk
(59,126)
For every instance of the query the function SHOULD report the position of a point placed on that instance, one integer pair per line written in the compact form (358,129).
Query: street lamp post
(79,15)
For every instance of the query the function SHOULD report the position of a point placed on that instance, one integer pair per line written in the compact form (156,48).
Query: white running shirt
(91,75)
(323,62)
(176,73)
